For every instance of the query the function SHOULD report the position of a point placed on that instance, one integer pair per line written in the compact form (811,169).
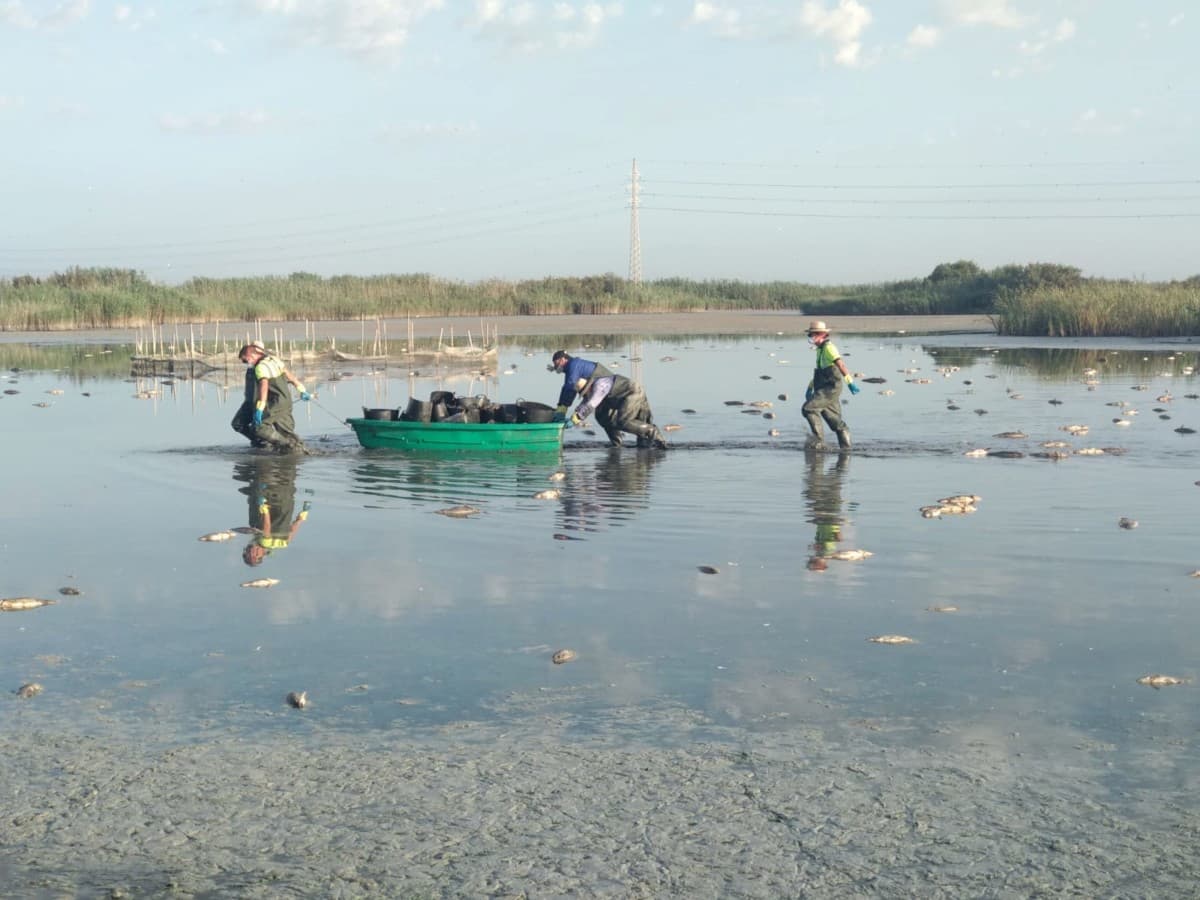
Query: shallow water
(394,618)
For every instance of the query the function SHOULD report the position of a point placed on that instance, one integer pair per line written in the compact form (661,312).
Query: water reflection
(270,489)
(823,500)
(609,492)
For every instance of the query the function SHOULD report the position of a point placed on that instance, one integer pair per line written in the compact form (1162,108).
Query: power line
(855,201)
(927,187)
(865,216)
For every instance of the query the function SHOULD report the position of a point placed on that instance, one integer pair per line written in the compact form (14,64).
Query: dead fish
(16,604)
(557,476)
(1161,681)
(32,689)
(671,427)
(42,405)
(952,407)
(548,494)
(560,536)
(217,536)
(1057,445)
(981,412)
(752,412)
(690,412)
(761,404)
(1089,451)
(1007,454)
(563,656)
(458,512)
(1127,523)
(1015,435)
(56,392)
(1183,429)
(590,432)
(709,570)
(851,555)
(768,415)
(261,583)
(874,379)
(961,500)
(782,397)
(70,591)
(891,639)
(246,529)
(1054,402)
(297,699)
(734,403)
(942,609)
(668,359)
(773,432)
(1075,429)
(765,377)
(976,452)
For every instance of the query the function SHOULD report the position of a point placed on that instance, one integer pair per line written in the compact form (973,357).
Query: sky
(820,141)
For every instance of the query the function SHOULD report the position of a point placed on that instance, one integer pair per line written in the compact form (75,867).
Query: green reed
(1103,309)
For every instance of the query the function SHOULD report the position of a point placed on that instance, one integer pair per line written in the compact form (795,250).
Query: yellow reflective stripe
(268,367)
(271,543)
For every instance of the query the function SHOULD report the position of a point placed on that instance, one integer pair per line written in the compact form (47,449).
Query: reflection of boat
(458,437)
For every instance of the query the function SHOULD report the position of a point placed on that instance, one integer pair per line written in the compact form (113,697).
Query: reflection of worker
(823,497)
(619,403)
(822,400)
(271,493)
(265,416)
(609,493)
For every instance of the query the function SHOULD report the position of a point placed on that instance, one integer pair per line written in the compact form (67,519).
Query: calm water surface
(389,614)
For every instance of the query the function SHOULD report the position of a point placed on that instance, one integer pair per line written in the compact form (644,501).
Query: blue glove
(568,423)
(305,395)
(257,417)
(559,417)
(853,387)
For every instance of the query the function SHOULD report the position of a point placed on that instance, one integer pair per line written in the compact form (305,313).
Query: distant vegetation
(1032,299)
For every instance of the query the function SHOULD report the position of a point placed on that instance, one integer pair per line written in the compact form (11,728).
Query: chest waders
(826,402)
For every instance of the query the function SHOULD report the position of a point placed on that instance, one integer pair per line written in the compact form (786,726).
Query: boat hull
(458,437)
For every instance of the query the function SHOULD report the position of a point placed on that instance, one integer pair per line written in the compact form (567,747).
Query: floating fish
(217,536)
(557,476)
(548,494)
(1015,435)
(16,604)
(56,392)
(261,583)
(782,397)
(560,536)
(734,403)
(70,591)
(1183,429)
(891,639)
(874,379)
(1006,454)
(1089,451)
(1075,429)
(297,699)
(32,689)
(42,405)
(851,555)
(459,512)
(774,432)
(961,500)
(690,412)
(1127,523)
(976,452)
(671,427)
(668,359)
(1161,681)
(761,404)
(709,570)
(1055,444)
(563,656)
(942,609)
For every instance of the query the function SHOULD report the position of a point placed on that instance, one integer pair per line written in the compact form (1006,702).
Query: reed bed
(1034,299)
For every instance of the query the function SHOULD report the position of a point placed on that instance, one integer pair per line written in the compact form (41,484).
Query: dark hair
(559,354)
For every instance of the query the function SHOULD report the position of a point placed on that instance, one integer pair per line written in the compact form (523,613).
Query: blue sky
(823,141)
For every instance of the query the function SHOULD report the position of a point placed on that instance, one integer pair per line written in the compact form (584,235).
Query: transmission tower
(635,240)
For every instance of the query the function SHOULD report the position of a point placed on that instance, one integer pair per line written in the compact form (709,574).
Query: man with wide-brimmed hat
(822,400)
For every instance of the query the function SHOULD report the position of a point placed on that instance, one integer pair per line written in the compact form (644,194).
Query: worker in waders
(271,492)
(822,400)
(265,416)
(619,403)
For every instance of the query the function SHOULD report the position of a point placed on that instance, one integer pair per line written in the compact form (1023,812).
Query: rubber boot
(817,440)
(614,437)
(843,436)
(648,435)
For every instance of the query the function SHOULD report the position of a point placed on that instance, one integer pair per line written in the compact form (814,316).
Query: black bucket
(536,413)
(386,415)
(418,411)
(440,411)
(507,414)
(436,397)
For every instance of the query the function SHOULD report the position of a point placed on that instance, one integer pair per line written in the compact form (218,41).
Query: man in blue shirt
(619,403)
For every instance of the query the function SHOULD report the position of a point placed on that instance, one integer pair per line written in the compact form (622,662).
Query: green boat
(458,437)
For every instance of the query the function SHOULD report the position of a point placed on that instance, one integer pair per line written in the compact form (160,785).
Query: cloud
(522,27)
(415,131)
(13,12)
(723,21)
(1091,122)
(245,122)
(1176,19)
(366,29)
(843,25)
(7,102)
(996,13)
(1063,31)
(923,36)
(216,47)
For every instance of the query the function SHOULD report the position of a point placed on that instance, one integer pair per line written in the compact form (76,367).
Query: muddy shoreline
(645,324)
(547,805)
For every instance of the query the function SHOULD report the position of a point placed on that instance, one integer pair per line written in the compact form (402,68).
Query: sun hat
(816,326)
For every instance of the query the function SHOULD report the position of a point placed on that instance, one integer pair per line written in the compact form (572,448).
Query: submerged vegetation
(1033,299)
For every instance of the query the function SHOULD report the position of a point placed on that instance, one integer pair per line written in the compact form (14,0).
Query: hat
(816,326)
